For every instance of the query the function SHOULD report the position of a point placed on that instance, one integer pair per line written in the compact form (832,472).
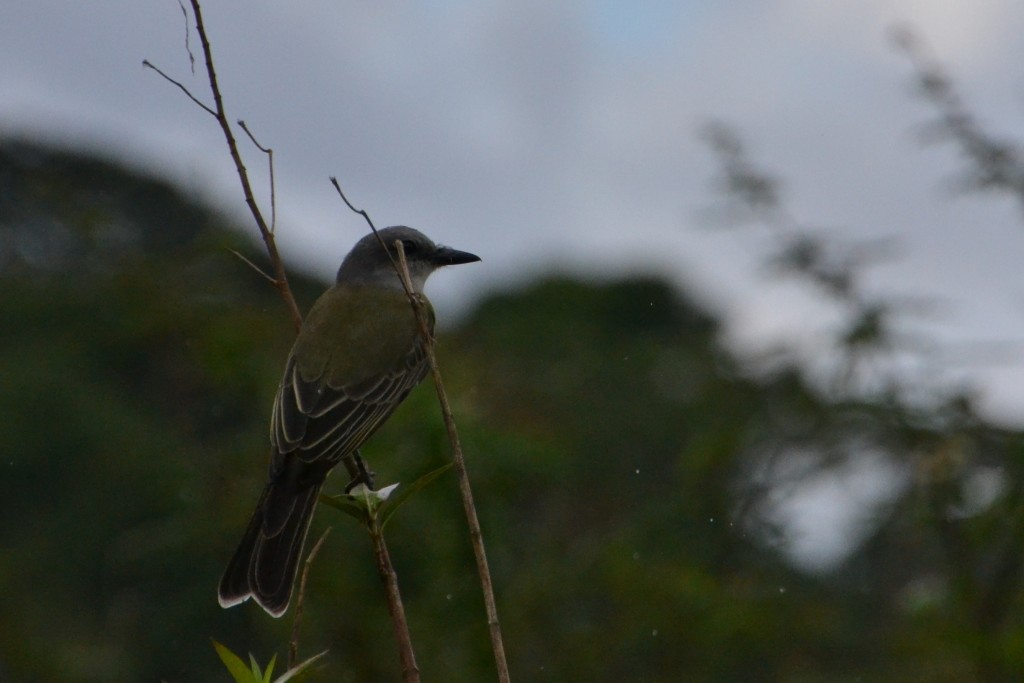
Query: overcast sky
(566,133)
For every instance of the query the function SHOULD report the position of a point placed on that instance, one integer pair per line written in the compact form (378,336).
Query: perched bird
(357,356)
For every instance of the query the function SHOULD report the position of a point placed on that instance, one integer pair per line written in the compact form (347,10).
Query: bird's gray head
(369,264)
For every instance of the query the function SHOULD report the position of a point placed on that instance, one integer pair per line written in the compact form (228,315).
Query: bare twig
(361,212)
(403,275)
(188,46)
(293,646)
(260,271)
(465,488)
(270,162)
(280,279)
(268,237)
(149,65)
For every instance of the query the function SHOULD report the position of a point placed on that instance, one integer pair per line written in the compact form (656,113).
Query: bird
(356,357)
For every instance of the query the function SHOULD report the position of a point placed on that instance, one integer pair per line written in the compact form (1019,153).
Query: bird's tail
(266,560)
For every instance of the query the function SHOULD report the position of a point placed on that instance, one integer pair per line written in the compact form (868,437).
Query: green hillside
(623,462)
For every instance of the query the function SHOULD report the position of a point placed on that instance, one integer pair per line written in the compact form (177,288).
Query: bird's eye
(409,247)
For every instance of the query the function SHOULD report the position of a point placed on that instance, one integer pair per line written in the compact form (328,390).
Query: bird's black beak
(446,256)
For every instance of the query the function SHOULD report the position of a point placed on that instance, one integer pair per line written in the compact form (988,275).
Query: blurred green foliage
(624,463)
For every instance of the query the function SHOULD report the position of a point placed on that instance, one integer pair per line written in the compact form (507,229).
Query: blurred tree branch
(992,163)
(832,269)
(978,538)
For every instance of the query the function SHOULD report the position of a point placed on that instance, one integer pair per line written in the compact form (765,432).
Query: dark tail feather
(266,560)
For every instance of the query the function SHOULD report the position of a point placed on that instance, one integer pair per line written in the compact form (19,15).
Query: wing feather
(320,423)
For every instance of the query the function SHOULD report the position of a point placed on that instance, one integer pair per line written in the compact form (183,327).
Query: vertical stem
(476,536)
(410,671)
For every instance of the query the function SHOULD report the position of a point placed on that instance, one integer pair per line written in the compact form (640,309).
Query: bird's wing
(318,422)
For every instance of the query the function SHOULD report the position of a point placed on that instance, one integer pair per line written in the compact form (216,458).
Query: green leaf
(257,675)
(300,670)
(347,504)
(394,502)
(234,664)
(270,669)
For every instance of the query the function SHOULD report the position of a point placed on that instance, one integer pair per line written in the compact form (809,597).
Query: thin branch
(369,221)
(280,277)
(361,212)
(188,45)
(270,162)
(410,671)
(293,646)
(403,275)
(260,271)
(149,65)
(465,488)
